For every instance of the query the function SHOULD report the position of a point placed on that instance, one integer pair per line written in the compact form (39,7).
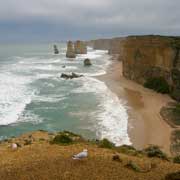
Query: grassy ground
(41,160)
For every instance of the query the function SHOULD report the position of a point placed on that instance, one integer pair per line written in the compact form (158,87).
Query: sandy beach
(145,125)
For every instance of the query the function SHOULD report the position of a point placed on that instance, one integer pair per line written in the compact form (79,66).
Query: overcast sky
(51,20)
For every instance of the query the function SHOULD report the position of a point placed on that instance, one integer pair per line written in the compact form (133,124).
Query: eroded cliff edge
(147,56)
(153,56)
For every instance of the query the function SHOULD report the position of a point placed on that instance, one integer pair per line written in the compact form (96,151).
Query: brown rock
(70,50)
(80,47)
(87,62)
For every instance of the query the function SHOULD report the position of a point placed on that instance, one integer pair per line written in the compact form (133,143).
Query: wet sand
(145,125)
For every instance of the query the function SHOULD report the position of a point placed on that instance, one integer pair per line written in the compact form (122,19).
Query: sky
(55,20)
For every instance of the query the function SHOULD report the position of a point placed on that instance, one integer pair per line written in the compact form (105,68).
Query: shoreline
(145,124)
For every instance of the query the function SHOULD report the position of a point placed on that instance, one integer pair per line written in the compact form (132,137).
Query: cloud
(81,18)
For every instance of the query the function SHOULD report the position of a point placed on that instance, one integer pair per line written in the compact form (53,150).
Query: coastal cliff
(80,47)
(114,45)
(70,50)
(147,57)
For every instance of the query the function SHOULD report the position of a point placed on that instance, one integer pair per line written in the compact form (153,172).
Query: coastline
(145,124)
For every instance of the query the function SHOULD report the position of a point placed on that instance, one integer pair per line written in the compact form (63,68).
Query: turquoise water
(33,96)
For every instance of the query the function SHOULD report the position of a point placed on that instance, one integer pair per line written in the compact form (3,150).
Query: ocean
(33,96)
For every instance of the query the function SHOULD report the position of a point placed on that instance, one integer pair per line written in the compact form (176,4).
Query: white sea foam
(50,99)
(111,114)
(93,54)
(29,116)
(14,96)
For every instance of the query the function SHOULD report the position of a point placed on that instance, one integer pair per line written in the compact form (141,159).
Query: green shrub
(176,159)
(158,84)
(105,143)
(27,142)
(154,151)
(133,166)
(126,149)
(176,109)
(61,139)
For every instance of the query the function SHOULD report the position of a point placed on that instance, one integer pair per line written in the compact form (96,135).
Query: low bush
(176,159)
(105,143)
(159,84)
(133,166)
(176,109)
(61,139)
(27,142)
(154,151)
(126,149)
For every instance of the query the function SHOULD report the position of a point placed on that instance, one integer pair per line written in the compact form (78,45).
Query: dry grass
(43,161)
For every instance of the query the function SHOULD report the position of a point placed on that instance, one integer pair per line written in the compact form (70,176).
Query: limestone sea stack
(70,50)
(80,47)
(56,51)
(87,62)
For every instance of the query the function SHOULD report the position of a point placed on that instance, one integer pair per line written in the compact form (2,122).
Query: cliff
(114,45)
(80,47)
(153,56)
(70,50)
(100,44)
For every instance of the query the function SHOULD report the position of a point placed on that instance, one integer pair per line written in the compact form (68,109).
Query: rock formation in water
(56,51)
(70,50)
(152,57)
(80,47)
(87,62)
(70,76)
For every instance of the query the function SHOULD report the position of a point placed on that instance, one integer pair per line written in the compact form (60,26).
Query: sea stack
(56,51)
(80,47)
(70,50)
(87,62)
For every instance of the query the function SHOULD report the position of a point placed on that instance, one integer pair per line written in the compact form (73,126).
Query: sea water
(33,96)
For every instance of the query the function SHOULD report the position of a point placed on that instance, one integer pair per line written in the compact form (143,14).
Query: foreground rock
(70,76)
(56,51)
(87,62)
(70,50)
(80,47)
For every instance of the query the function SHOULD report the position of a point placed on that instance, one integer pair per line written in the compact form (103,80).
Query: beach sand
(145,124)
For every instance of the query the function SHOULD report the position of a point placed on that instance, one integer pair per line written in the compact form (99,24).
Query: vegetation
(126,149)
(133,166)
(27,142)
(177,159)
(175,138)
(176,109)
(158,84)
(105,143)
(61,139)
(154,151)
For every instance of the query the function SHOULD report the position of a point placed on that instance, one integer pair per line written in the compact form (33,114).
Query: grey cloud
(83,18)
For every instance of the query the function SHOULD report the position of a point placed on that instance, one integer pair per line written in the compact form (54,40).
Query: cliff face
(101,44)
(114,46)
(153,56)
(80,47)
(70,50)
